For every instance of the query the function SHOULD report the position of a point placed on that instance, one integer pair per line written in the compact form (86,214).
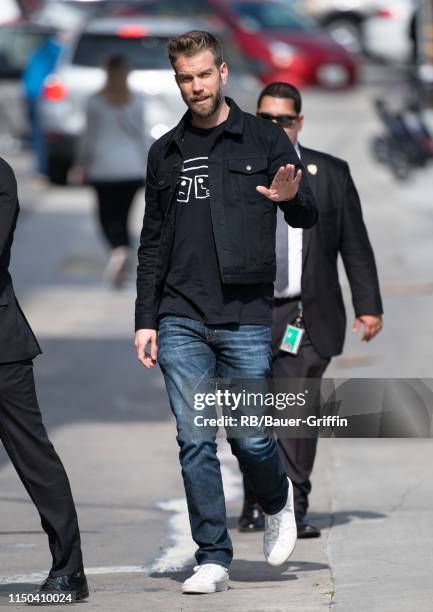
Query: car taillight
(54,90)
(387,13)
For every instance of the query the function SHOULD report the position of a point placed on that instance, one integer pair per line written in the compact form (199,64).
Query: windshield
(147,53)
(273,16)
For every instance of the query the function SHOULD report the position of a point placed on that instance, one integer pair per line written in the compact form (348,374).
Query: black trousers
(38,465)
(297,453)
(114,203)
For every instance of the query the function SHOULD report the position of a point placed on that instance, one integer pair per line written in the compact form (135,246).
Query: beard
(212,104)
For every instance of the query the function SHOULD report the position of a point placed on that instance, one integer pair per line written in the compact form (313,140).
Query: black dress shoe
(305,530)
(252,517)
(73,584)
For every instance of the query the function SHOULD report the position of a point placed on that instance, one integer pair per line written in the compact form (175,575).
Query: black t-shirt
(193,286)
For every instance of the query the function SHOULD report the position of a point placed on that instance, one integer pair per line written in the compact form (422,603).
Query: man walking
(205,274)
(307,289)
(21,429)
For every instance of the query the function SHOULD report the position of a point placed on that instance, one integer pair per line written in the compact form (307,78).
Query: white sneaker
(280,534)
(116,269)
(208,578)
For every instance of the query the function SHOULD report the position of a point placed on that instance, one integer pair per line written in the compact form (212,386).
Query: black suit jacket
(340,230)
(17,341)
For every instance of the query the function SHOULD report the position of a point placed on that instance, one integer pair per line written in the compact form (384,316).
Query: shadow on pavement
(96,380)
(248,571)
(323,520)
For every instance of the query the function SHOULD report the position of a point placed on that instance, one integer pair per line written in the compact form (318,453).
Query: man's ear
(224,72)
(301,122)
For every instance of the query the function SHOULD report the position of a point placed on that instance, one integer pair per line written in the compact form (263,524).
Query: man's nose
(197,85)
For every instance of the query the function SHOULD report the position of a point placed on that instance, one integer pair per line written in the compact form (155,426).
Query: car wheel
(57,170)
(380,149)
(347,32)
(400,165)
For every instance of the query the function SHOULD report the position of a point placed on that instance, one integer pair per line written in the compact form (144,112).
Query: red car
(286,44)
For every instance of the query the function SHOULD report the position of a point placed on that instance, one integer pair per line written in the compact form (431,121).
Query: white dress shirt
(294,236)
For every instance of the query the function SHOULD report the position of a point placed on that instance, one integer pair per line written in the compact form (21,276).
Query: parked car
(286,44)
(380,28)
(344,20)
(142,41)
(387,33)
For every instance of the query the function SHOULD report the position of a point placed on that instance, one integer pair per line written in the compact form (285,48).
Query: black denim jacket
(248,153)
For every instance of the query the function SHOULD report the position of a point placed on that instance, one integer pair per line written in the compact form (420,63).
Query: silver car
(79,74)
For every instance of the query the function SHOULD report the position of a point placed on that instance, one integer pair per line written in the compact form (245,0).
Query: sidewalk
(111,424)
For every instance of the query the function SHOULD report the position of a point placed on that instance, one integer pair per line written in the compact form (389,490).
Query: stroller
(407,142)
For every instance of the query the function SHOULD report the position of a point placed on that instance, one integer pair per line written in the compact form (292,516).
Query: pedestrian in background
(112,156)
(40,65)
(307,289)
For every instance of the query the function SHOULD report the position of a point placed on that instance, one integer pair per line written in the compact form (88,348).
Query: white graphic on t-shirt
(190,174)
(184,189)
(201,189)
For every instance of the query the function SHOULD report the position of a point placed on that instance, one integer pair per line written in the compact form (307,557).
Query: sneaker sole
(205,591)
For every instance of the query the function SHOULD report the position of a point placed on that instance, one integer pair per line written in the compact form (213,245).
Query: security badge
(293,335)
(312,169)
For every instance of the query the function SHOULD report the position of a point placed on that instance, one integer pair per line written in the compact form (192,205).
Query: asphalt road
(110,420)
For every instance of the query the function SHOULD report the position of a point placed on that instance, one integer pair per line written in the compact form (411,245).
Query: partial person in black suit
(307,283)
(21,429)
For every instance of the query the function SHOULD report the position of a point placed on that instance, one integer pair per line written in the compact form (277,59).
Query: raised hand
(284,186)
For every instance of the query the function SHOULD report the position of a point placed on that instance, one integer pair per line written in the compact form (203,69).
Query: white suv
(142,41)
(378,27)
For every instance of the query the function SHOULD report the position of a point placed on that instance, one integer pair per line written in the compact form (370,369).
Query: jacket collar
(307,155)
(234,123)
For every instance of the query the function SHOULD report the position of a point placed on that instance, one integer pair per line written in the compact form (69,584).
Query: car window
(273,15)
(147,53)
(16,47)
(141,53)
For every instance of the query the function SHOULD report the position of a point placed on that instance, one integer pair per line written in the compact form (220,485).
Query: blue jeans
(189,350)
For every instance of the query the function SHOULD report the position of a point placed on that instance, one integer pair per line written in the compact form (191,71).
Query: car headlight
(332,75)
(282,53)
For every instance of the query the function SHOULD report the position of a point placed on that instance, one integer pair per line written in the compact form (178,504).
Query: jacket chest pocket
(245,175)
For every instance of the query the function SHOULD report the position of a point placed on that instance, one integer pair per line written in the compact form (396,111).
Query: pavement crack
(405,493)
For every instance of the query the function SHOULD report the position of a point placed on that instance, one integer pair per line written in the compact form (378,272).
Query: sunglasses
(286,121)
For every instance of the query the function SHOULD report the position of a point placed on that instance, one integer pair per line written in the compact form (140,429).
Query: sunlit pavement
(111,424)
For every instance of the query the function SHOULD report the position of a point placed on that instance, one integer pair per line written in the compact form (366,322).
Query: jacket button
(161,182)
(248,167)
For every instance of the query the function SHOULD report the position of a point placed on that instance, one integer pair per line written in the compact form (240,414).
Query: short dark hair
(194,42)
(116,62)
(283,90)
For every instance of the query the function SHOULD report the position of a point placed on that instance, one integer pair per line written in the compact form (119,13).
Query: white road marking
(180,548)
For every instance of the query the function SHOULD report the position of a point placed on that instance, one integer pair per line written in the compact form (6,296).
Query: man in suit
(21,429)
(307,287)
